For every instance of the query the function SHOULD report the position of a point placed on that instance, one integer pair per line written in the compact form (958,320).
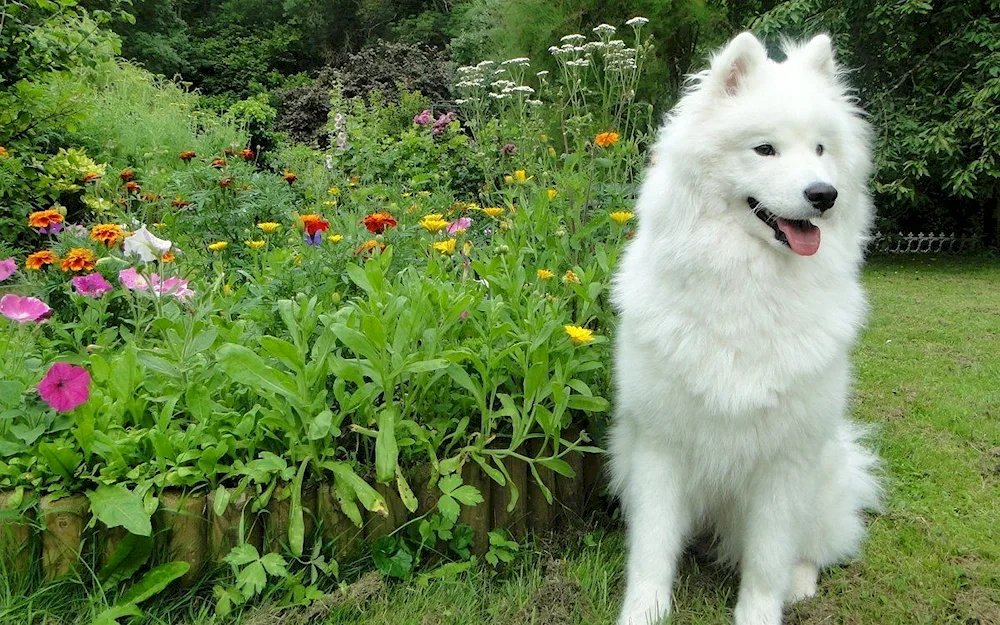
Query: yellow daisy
(578,335)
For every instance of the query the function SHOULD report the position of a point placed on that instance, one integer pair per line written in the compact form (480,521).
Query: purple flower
(92,285)
(508,148)
(64,386)
(459,225)
(442,123)
(423,118)
(24,309)
(53,228)
(7,268)
(132,280)
(314,239)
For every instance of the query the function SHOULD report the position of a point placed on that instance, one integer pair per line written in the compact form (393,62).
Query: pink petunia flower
(24,309)
(132,281)
(91,285)
(65,386)
(7,268)
(459,225)
(177,287)
(423,118)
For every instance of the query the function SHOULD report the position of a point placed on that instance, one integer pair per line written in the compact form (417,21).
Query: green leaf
(131,553)
(449,483)
(346,478)
(589,404)
(319,427)
(251,580)
(117,506)
(449,508)
(405,492)
(426,365)
(246,367)
(468,495)
(284,351)
(111,615)
(154,582)
(61,460)
(10,392)
(558,465)
(386,448)
(296,524)
(275,565)
(242,555)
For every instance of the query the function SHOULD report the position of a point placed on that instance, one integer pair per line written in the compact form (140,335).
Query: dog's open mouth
(798,234)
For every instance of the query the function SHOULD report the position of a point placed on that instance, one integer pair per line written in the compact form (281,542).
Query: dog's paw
(649,608)
(760,610)
(803,585)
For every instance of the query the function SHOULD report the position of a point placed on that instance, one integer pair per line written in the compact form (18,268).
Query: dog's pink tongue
(804,241)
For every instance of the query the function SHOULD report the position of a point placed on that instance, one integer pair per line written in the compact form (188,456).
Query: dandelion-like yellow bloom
(467,247)
(508,179)
(424,193)
(551,151)
(434,222)
(621,217)
(521,176)
(269,227)
(494,211)
(578,335)
(255,244)
(227,289)
(606,139)
(544,274)
(335,238)
(218,246)
(551,193)
(333,191)
(570,277)
(3,152)
(445,247)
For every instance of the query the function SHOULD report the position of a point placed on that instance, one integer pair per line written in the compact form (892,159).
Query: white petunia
(146,246)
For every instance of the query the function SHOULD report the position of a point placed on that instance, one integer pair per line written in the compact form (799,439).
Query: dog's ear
(818,54)
(736,62)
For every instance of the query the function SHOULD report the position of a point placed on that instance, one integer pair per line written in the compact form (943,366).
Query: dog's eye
(819,149)
(765,149)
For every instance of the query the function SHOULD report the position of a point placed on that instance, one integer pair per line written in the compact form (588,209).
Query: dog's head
(784,144)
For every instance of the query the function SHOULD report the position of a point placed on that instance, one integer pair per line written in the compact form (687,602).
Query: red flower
(314,223)
(290,177)
(247,154)
(132,187)
(219,163)
(225,182)
(187,155)
(127,174)
(378,222)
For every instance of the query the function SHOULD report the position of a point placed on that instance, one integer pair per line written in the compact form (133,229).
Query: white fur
(732,356)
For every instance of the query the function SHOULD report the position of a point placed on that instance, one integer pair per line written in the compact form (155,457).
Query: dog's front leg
(770,548)
(658,524)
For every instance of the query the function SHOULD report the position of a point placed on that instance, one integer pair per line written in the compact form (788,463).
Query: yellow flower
(333,191)
(543,137)
(578,335)
(606,139)
(3,152)
(551,151)
(424,193)
(227,288)
(521,176)
(551,193)
(434,222)
(445,247)
(255,244)
(406,194)
(269,227)
(335,238)
(467,247)
(570,277)
(329,202)
(508,179)
(218,246)
(494,211)
(544,274)
(621,217)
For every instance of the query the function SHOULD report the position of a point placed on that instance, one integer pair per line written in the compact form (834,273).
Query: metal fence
(920,243)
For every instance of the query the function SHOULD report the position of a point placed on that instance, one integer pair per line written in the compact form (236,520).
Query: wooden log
(279,517)
(516,520)
(109,540)
(569,490)
(336,526)
(379,525)
(480,516)
(183,531)
(224,529)
(63,520)
(15,534)
(541,514)
(594,479)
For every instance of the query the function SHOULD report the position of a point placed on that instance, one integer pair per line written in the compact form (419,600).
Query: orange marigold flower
(378,222)
(188,155)
(313,223)
(91,176)
(3,152)
(225,182)
(179,203)
(150,197)
(368,246)
(219,163)
(127,174)
(290,177)
(132,186)
(108,234)
(247,154)
(606,139)
(39,259)
(44,219)
(79,259)
(570,277)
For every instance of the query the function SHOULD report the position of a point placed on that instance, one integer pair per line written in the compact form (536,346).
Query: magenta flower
(91,285)
(423,118)
(172,286)
(64,386)
(24,309)
(508,148)
(442,123)
(7,268)
(132,281)
(459,225)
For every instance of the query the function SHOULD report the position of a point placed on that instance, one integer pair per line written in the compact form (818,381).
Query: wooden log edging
(186,527)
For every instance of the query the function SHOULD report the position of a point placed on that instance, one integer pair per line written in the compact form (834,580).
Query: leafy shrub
(305,110)
(393,67)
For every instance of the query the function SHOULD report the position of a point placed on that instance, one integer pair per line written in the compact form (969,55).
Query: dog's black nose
(821,195)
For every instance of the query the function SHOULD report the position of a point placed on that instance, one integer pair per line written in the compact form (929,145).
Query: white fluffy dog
(736,326)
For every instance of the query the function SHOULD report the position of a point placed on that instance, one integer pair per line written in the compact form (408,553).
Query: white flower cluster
(637,22)
(605,29)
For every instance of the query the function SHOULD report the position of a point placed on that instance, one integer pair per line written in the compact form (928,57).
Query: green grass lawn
(928,380)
